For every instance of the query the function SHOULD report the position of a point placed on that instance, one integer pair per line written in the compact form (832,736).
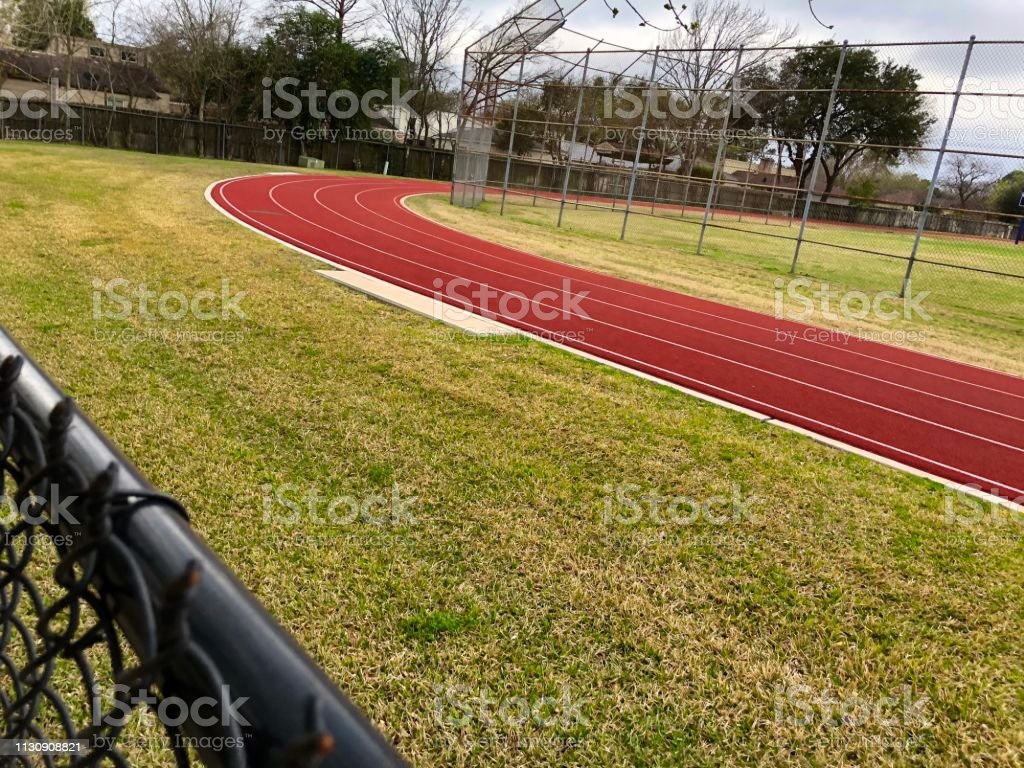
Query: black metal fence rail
(160,134)
(104,587)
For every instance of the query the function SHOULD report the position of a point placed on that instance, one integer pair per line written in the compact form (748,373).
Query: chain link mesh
(732,147)
(93,645)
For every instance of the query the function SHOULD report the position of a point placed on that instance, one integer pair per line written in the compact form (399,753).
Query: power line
(810,4)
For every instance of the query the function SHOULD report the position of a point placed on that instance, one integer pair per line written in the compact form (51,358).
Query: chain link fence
(339,149)
(123,639)
(885,167)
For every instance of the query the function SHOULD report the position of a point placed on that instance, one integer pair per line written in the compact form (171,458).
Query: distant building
(102,74)
(440,126)
(617,152)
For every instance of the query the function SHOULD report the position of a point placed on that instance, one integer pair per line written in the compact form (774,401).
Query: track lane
(956,421)
(1013,407)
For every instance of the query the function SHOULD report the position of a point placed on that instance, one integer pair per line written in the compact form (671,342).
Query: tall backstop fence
(112,608)
(892,165)
(346,149)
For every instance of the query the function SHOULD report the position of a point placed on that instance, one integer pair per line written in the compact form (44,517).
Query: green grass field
(970,316)
(842,588)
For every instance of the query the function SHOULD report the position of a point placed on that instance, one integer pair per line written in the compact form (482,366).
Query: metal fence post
(168,600)
(720,156)
(640,143)
(589,162)
(459,124)
(512,136)
(937,170)
(540,160)
(818,155)
(657,178)
(572,141)
(746,183)
(617,175)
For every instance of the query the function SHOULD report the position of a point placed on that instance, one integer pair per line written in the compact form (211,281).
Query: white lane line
(333,258)
(587,318)
(725,318)
(699,329)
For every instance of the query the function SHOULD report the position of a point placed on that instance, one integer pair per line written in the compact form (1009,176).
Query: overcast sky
(983,124)
(856,20)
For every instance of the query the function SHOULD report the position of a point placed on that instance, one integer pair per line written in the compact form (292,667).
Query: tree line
(216,56)
(880,118)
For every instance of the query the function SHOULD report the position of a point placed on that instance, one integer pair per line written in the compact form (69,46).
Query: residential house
(88,72)
(438,126)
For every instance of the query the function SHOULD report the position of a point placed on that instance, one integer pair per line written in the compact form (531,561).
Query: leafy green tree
(878,104)
(862,191)
(304,46)
(525,139)
(871,179)
(191,46)
(1005,196)
(36,21)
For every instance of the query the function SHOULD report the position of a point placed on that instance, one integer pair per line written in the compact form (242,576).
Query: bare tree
(36,24)
(6,17)
(702,55)
(968,179)
(491,61)
(344,13)
(711,41)
(427,33)
(190,45)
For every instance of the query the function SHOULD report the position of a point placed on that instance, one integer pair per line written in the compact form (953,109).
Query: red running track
(956,421)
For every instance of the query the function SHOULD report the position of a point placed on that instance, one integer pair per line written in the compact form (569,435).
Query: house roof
(787,180)
(87,74)
(616,149)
